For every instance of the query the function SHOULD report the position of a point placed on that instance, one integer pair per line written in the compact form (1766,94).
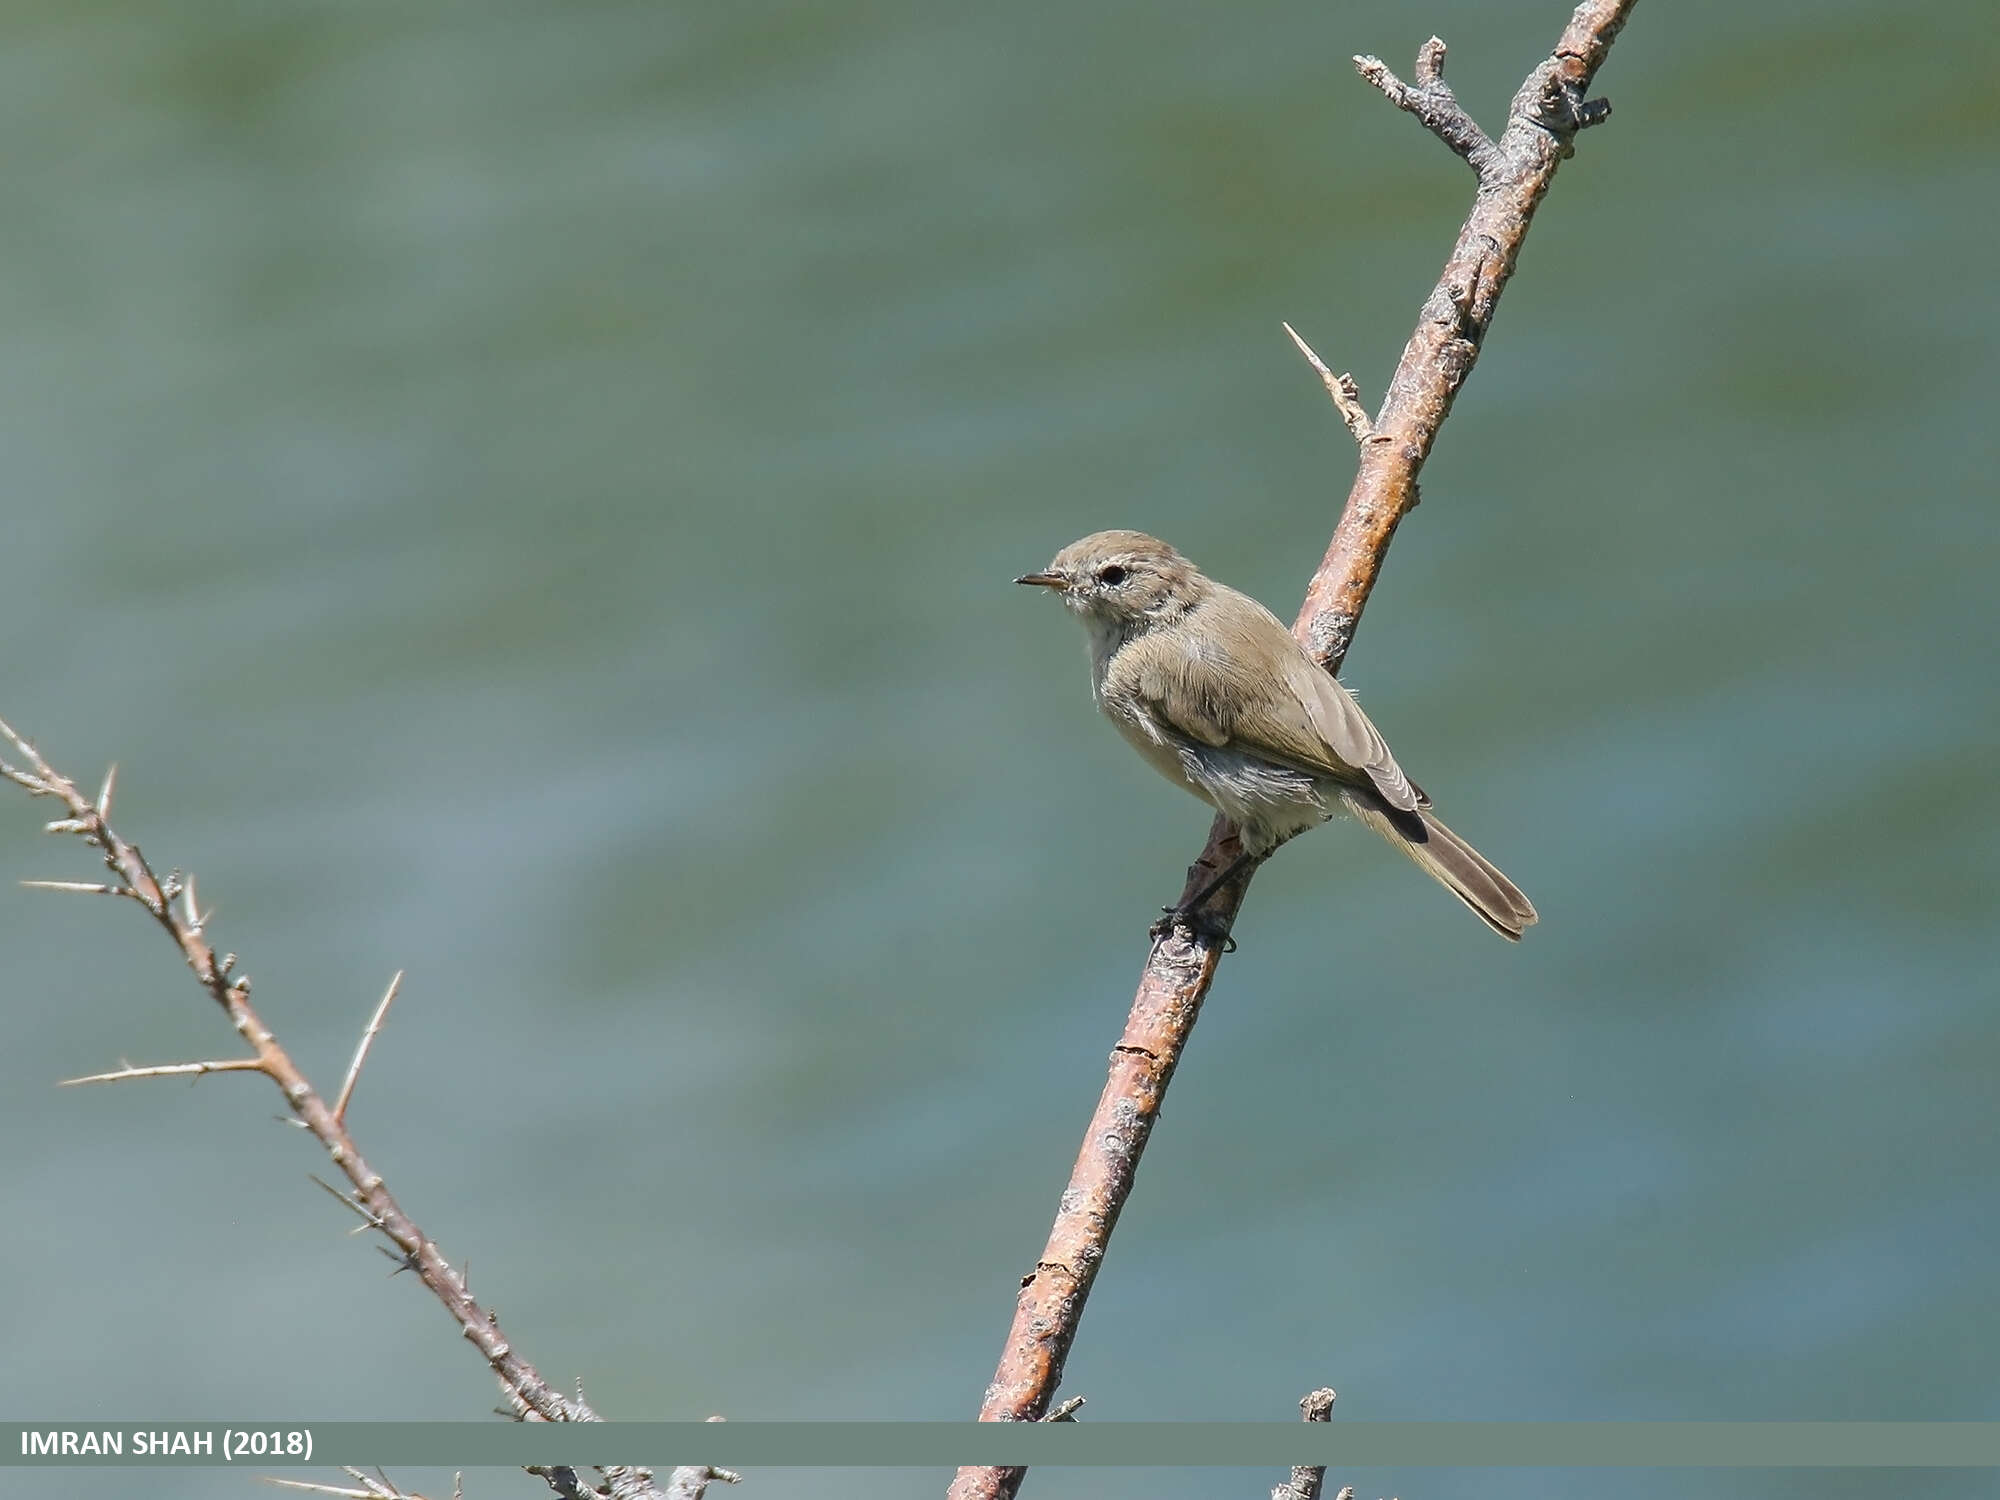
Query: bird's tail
(1449,860)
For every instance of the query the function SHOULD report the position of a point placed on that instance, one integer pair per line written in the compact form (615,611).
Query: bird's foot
(1196,923)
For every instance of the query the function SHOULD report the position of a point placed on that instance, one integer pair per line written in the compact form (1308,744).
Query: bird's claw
(1195,923)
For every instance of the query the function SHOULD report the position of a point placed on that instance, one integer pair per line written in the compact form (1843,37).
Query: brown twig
(1514,175)
(1345,394)
(173,905)
(1431,100)
(1316,1406)
(1547,112)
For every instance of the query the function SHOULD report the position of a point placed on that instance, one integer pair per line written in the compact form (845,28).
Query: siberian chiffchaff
(1219,698)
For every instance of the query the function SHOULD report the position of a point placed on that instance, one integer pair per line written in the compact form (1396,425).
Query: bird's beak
(1044,580)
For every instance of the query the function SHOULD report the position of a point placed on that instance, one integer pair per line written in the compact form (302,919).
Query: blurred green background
(529,496)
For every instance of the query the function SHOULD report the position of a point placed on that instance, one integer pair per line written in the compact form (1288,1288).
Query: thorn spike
(368,1035)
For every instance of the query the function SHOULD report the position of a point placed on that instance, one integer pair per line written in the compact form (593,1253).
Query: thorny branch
(1514,173)
(173,905)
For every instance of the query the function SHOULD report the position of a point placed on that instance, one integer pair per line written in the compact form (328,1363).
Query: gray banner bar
(946,1444)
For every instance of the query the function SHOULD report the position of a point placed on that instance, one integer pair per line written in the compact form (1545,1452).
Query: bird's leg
(1188,913)
(1236,867)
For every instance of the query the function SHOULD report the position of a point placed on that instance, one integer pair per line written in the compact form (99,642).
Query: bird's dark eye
(1111,575)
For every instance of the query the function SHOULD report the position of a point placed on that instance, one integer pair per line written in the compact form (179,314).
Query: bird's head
(1122,578)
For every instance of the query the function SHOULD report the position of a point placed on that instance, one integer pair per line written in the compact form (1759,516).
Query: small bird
(1219,698)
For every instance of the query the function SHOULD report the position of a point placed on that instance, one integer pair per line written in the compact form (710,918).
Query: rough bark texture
(1514,174)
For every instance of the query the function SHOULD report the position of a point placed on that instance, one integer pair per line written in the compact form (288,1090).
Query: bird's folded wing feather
(1315,727)
(1340,724)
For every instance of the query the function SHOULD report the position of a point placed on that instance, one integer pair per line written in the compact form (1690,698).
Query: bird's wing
(1315,727)
(1339,723)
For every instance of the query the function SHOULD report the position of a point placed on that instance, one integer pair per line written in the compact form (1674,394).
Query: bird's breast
(1159,746)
